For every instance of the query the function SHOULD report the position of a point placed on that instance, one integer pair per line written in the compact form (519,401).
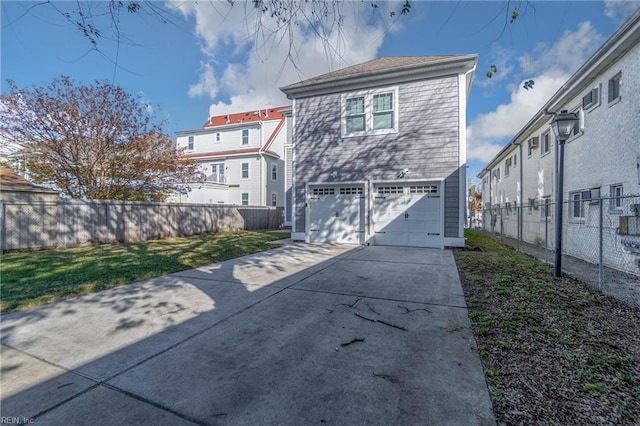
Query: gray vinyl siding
(452,204)
(427,143)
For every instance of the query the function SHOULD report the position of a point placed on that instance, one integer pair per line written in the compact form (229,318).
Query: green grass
(555,330)
(33,278)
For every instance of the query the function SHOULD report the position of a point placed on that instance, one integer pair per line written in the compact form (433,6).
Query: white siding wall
(607,152)
(230,139)
(239,185)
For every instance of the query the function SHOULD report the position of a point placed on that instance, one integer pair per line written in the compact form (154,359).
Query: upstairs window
(370,112)
(545,143)
(190,143)
(591,99)
(274,172)
(355,115)
(245,136)
(383,111)
(245,170)
(614,88)
(218,137)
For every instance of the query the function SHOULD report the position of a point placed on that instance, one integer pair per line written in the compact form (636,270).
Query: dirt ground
(553,350)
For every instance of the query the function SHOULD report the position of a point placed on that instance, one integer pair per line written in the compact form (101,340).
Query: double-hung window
(190,143)
(245,136)
(245,199)
(383,111)
(355,116)
(370,112)
(245,170)
(274,171)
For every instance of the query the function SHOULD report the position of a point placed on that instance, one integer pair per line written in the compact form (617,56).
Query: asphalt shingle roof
(386,63)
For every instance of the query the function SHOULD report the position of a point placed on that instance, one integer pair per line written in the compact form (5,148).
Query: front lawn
(553,351)
(32,278)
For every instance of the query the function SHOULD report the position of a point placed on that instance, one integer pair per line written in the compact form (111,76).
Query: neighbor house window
(245,136)
(245,170)
(218,137)
(245,198)
(191,138)
(507,166)
(545,212)
(370,112)
(615,203)
(274,199)
(355,115)
(591,99)
(575,205)
(383,111)
(217,170)
(614,88)
(515,160)
(545,143)
(274,172)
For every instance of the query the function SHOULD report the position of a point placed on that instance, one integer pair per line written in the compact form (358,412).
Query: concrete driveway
(303,334)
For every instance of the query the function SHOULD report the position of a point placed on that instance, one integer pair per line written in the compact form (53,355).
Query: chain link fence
(600,237)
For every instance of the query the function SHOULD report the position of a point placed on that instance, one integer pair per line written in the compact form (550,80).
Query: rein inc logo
(6,420)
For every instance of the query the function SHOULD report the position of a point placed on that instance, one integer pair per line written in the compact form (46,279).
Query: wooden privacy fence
(72,223)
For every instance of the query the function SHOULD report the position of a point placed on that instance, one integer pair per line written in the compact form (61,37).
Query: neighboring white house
(379,152)
(242,156)
(602,159)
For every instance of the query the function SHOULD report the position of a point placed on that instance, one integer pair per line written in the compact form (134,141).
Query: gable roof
(380,68)
(11,181)
(246,117)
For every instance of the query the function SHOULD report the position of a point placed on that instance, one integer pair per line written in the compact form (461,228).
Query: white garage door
(336,215)
(407,215)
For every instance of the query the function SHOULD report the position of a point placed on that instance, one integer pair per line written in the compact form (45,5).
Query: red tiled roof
(247,117)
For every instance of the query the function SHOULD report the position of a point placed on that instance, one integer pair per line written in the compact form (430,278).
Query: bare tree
(95,142)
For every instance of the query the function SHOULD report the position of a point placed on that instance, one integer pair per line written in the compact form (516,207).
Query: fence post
(600,254)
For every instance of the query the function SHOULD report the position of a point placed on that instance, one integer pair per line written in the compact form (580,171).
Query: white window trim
(276,196)
(368,112)
(241,198)
(191,143)
(242,171)
(242,137)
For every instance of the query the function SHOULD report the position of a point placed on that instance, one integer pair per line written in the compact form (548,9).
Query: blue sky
(208,59)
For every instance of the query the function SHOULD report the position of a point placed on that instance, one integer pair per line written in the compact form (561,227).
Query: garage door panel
(410,216)
(335,217)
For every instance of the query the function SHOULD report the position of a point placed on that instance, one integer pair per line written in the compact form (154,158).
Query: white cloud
(619,9)
(549,67)
(259,63)
(207,84)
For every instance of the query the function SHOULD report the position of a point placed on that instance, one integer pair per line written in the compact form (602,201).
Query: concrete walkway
(303,334)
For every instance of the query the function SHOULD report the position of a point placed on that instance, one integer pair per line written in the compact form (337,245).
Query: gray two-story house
(379,152)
